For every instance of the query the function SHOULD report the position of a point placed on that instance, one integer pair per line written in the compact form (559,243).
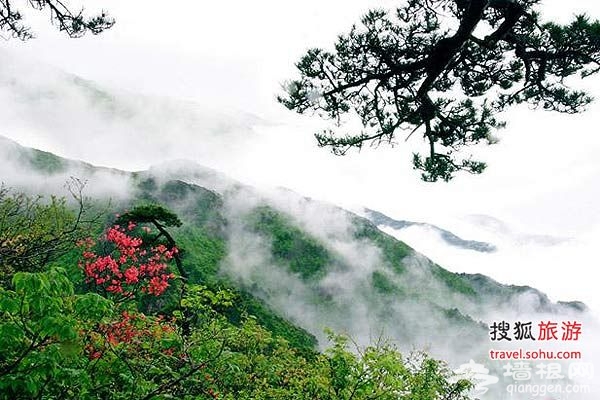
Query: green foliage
(202,253)
(62,345)
(382,283)
(445,70)
(58,343)
(303,254)
(297,337)
(454,315)
(35,231)
(429,381)
(393,250)
(203,248)
(41,346)
(150,213)
(379,371)
(199,206)
(455,282)
(45,162)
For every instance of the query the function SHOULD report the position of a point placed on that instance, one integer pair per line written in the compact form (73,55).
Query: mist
(145,97)
(343,299)
(542,259)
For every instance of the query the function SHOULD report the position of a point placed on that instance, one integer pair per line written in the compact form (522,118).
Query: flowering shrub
(128,267)
(133,332)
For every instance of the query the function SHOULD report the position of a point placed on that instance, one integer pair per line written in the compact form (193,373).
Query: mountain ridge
(313,264)
(450,238)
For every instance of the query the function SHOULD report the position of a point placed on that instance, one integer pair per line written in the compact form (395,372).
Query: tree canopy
(74,24)
(444,69)
(34,232)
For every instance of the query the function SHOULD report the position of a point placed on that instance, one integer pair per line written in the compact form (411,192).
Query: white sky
(543,177)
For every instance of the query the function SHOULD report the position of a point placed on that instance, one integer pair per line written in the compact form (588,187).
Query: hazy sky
(543,177)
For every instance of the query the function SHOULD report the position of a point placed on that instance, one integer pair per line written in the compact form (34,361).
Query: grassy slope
(306,256)
(202,238)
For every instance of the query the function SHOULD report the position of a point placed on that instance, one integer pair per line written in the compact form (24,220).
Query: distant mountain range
(450,238)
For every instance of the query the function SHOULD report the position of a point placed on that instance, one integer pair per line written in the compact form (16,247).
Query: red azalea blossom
(158,284)
(128,268)
(132,332)
(131,275)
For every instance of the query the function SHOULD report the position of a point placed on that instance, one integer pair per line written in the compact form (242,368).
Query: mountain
(45,104)
(450,238)
(300,265)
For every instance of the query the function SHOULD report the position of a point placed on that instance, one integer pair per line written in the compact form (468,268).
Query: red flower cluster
(134,331)
(122,331)
(128,267)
